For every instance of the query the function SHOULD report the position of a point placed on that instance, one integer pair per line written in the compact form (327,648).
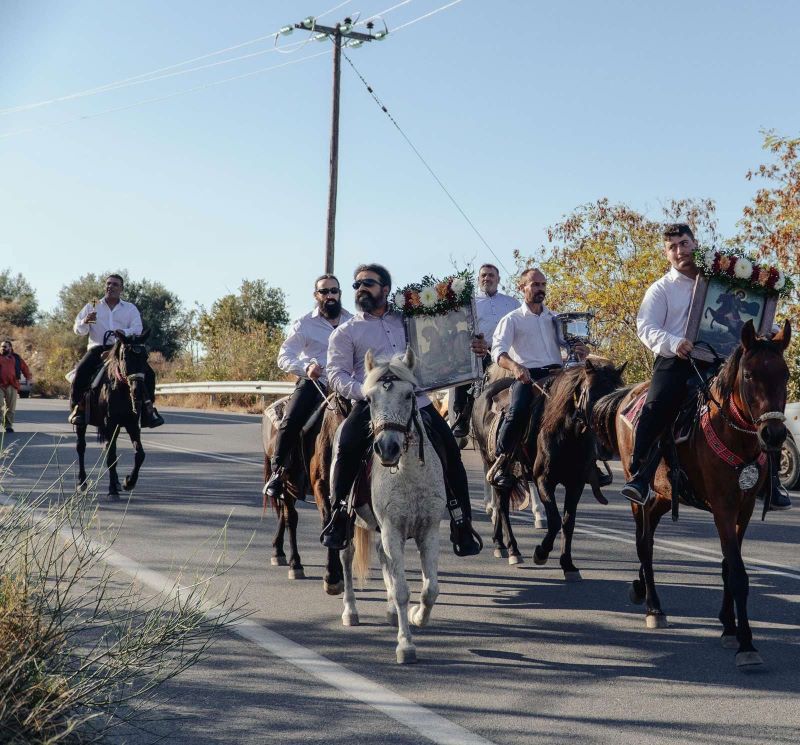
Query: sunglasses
(329,291)
(366,283)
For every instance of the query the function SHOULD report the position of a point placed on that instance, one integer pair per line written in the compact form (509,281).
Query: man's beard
(538,297)
(331,308)
(367,302)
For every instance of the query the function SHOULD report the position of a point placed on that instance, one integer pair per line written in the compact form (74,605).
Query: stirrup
(77,416)
(497,468)
(337,533)
(473,544)
(632,493)
(274,486)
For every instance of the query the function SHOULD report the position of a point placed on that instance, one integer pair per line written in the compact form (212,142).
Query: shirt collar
(103,302)
(369,317)
(526,311)
(675,276)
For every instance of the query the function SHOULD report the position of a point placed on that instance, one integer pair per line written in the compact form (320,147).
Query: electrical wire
(383,12)
(152,75)
(5,135)
(427,15)
(422,160)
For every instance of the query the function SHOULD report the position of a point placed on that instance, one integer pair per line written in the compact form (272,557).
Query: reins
(413,423)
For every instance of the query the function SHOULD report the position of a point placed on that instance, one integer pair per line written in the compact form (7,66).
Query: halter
(581,403)
(386,380)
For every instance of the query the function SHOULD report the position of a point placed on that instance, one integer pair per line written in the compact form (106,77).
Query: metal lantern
(572,329)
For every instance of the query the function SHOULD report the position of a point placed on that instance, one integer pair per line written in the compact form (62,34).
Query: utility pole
(337,34)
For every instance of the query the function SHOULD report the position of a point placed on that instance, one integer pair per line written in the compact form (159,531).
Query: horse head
(597,380)
(130,364)
(389,389)
(759,388)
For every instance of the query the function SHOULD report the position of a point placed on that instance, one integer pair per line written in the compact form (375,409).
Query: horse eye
(748,376)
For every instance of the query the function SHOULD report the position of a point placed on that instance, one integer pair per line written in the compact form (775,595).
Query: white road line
(221,416)
(419,719)
(202,454)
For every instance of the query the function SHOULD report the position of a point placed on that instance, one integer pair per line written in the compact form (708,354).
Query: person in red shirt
(11,366)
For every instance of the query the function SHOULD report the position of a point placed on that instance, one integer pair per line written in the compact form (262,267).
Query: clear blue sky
(524,108)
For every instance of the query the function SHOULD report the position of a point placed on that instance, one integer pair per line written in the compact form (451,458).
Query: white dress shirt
(662,317)
(527,338)
(308,341)
(384,335)
(490,309)
(124,316)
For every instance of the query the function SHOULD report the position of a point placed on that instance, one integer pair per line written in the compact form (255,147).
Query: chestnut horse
(741,423)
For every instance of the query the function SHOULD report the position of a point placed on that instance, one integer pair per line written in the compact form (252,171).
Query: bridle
(407,430)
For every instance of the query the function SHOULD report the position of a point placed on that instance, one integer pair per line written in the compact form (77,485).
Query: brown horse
(742,422)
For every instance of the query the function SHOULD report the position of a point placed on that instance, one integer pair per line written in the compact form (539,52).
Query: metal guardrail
(259,387)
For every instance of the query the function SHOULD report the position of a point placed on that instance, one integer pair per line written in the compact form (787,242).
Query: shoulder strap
(17,365)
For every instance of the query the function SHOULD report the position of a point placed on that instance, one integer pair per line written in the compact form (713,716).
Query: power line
(383,12)
(427,15)
(422,160)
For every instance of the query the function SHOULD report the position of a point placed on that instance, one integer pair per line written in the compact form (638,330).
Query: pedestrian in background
(12,367)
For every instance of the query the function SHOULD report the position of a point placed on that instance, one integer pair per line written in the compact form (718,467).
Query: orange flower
(724,263)
(413,299)
(441,290)
(763,276)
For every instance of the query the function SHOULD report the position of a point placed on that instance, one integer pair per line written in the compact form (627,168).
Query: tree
(18,304)
(604,257)
(257,305)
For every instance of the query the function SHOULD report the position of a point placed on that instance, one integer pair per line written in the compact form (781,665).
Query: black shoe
(460,429)
(780,499)
(637,490)
(498,475)
(9,429)
(466,542)
(337,533)
(604,478)
(154,419)
(77,417)
(274,486)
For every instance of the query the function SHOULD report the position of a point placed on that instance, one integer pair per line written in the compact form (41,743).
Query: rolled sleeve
(289,355)
(80,327)
(650,324)
(341,353)
(135,327)
(502,338)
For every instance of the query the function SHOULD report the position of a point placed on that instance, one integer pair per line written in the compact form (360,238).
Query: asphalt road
(513,654)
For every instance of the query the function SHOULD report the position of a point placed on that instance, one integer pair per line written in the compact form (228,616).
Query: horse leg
(278,555)
(514,555)
(538,507)
(393,545)
(727,615)
(332,581)
(111,463)
(542,552)
(647,519)
(500,550)
(296,570)
(428,546)
(388,581)
(350,614)
(138,457)
(573,496)
(80,431)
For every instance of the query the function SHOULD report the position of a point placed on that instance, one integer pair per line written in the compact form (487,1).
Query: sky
(524,109)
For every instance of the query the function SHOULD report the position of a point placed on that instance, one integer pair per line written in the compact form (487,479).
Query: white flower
(428,296)
(708,258)
(781,281)
(458,285)
(400,300)
(743,268)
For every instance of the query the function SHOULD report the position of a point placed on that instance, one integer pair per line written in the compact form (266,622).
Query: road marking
(419,719)
(202,454)
(221,416)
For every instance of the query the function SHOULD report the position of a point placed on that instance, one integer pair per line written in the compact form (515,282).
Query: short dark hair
(676,229)
(7,341)
(531,270)
(325,276)
(488,266)
(116,276)
(381,271)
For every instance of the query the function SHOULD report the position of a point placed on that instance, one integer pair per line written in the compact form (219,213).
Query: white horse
(408,499)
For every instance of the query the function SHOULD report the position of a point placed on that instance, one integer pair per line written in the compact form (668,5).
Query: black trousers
(519,410)
(302,403)
(462,401)
(355,437)
(664,398)
(87,368)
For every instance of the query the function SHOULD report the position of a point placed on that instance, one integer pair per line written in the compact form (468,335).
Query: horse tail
(362,541)
(604,417)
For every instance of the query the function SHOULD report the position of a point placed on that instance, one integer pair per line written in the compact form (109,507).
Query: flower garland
(434,297)
(740,270)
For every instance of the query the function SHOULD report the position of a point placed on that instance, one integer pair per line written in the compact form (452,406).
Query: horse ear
(144,335)
(409,358)
(588,365)
(121,336)
(784,336)
(369,361)
(621,368)
(748,335)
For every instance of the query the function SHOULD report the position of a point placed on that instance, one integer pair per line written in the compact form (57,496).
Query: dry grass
(243,404)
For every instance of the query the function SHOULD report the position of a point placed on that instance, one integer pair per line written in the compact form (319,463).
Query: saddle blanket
(633,410)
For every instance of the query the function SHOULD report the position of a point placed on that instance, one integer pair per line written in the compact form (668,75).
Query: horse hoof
(334,589)
(406,655)
(540,523)
(501,553)
(748,660)
(729,641)
(127,485)
(656,621)
(539,556)
(297,573)
(416,617)
(515,559)
(391,618)
(113,497)
(573,575)
(350,619)
(278,561)
(636,592)
(488,508)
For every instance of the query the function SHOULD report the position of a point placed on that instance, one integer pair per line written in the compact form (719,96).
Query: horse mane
(114,359)
(395,366)
(603,415)
(561,394)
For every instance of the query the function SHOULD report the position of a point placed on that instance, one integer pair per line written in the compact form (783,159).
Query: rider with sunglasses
(379,328)
(304,353)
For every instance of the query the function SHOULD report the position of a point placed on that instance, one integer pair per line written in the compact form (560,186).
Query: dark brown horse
(117,404)
(743,422)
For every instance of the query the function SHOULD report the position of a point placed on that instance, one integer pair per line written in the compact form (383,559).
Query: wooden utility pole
(337,34)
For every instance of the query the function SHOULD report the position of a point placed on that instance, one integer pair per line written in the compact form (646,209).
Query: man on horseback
(378,328)
(100,322)
(304,353)
(490,306)
(525,344)
(661,324)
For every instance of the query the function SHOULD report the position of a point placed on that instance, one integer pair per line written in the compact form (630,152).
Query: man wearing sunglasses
(381,329)
(304,353)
